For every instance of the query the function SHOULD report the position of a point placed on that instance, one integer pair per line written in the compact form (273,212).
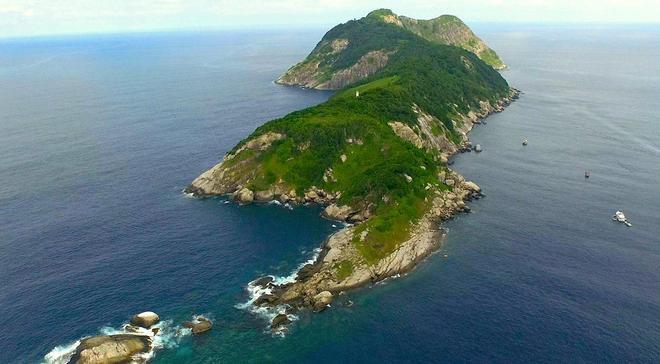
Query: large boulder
(110,349)
(322,300)
(245,195)
(471,186)
(145,319)
(264,195)
(199,324)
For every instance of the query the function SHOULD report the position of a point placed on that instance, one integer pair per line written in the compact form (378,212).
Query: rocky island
(375,155)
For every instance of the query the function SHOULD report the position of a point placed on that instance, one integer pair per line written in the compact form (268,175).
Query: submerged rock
(280,320)
(110,349)
(145,319)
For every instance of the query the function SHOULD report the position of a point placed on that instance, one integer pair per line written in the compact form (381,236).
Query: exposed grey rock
(245,195)
(266,298)
(198,325)
(280,320)
(108,349)
(322,300)
(145,319)
(336,212)
(264,195)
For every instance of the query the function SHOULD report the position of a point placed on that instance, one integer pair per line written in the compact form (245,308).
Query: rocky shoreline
(339,266)
(134,343)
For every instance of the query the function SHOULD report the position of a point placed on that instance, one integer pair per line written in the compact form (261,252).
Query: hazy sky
(36,17)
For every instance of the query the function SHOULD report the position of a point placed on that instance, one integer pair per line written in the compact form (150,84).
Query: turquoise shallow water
(98,136)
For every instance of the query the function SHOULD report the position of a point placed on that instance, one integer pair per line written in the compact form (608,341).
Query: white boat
(620,217)
(524,142)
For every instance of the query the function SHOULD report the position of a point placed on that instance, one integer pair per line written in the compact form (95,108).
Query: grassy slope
(433,76)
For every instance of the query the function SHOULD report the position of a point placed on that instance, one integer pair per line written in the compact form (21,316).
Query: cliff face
(344,56)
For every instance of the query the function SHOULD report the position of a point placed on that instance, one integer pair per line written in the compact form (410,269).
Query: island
(376,155)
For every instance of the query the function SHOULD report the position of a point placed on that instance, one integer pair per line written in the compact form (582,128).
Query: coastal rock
(145,319)
(311,196)
(471,186)
(110,349)
(132,329)
(218,181)
(280,320)
(198,325)
(245,195)
(264,195)
(265,299)
(322,300)
(263,281)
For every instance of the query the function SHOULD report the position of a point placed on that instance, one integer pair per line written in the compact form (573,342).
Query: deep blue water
(99,135)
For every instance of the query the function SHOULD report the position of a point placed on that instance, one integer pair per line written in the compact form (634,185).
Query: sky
(20,18)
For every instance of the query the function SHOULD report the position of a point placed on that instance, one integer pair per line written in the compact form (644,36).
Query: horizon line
(327,26)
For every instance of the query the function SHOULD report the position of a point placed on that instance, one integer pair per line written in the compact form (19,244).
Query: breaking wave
(269,312)
(168,337)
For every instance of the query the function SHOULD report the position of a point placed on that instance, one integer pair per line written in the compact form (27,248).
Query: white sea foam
(255,291)
(168,337)
(61,354)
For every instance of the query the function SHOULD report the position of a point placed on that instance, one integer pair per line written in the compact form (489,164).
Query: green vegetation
(344,269)
(382,172)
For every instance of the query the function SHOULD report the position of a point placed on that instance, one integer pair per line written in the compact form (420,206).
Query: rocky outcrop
(322,300)
(280,320)
(199,325)
(145,319)
(366,66)
(106,349)
(339,213)
(244,195)
(405,132)
(310,74)
(217,181)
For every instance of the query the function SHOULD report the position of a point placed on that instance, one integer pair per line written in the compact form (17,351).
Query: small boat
(477,148)
(587,174)
(620,217)
(525,142)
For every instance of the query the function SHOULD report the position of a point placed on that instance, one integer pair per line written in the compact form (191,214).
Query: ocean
(100,134)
